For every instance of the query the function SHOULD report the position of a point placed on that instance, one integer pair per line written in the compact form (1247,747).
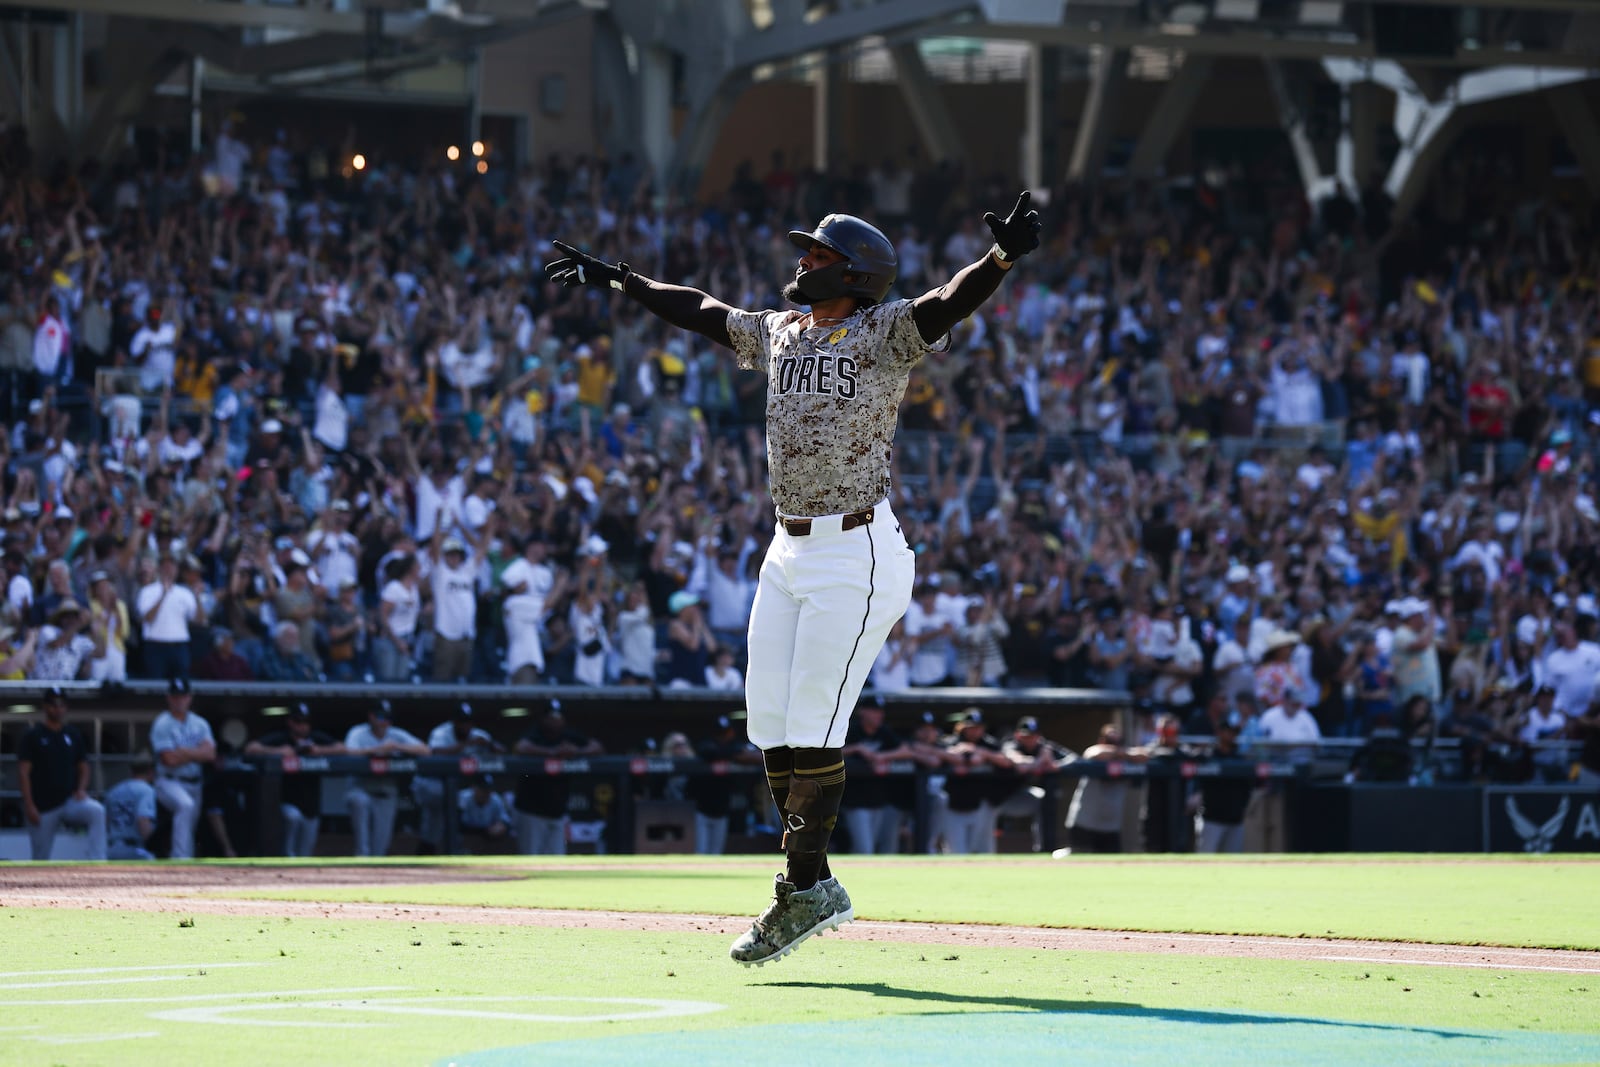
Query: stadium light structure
(1236,10)
(1322,12)
(452,153)
(359,161)
(479,148)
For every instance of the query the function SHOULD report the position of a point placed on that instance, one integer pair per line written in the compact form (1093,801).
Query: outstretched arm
(938,310)
(682,306)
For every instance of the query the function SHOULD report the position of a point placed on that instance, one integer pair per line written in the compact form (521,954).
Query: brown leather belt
(802,527)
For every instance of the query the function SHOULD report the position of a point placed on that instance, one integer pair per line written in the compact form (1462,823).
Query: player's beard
(817,286)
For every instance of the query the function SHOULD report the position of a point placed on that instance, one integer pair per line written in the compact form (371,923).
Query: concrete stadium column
(696,140)
(197,81)
(474,78)
(1171,112)
(1293,120)
(1099,112)
(926,104)
(1365,102)
(1582,131)
(15,99)
(655,107)
(66,70)
(827,110)
(1041,123)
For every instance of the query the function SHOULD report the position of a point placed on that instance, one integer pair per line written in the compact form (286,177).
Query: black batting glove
(580,268)
(1018,233)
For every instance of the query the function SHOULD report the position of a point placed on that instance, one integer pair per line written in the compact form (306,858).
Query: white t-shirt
(475,511)
(1573,673)
(729,681)
(727,600)
(172,621)
(19,594)
(332,426)
(891,677)
(523,647)
(157,349)
(406,606)
(1277,725)
(455,600)
(538,578)
(335,553)
(636,642)
(430,498)
(930,662)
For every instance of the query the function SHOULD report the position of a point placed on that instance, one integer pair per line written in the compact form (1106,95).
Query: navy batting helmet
(869,255)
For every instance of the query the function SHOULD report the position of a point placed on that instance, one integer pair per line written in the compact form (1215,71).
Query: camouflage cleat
(793,916)
(843,910)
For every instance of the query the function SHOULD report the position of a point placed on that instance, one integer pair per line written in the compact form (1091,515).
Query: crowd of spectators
(270,420)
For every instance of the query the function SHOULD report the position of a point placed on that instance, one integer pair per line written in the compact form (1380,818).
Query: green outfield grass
(310,992)
(131,988)
(1463,900)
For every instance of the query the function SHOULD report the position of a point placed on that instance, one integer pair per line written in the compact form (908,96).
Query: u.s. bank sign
(1541,819)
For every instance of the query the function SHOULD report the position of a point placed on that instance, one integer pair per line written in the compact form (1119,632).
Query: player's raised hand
(580,268)
(1018,233)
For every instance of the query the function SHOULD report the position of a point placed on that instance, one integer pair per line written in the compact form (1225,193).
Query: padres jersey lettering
(833,399)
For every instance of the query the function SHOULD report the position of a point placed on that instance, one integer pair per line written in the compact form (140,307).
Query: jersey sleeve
(145,806)
(162,737)
(751,334)
(903,346)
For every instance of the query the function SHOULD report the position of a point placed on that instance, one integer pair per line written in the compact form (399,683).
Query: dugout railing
(632,776)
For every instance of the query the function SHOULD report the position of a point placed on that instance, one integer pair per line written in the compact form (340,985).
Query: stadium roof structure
(1438,57)
(690,59)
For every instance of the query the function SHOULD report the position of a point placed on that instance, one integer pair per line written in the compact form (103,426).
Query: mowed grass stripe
(1518,904)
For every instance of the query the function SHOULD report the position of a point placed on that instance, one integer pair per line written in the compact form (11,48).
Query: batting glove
(1018,233)
(580,268)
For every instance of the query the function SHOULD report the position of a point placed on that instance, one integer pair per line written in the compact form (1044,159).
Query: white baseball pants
(182,798)
(824,605)
(87,813)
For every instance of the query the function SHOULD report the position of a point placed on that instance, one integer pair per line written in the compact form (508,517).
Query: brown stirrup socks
(780,767)
(810,812)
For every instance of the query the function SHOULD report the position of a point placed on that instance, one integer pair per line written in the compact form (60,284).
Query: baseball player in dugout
(838,572)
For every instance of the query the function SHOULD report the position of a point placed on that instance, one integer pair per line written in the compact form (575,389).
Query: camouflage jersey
(833,399)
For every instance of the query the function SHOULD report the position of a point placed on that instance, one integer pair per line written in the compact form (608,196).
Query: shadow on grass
(1109,1008)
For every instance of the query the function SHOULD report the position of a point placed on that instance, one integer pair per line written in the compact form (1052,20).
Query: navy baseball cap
(179,686)
(300,711)
(1028,723)
(1232,721)
(55,695)
(723,722)
(464,711)
(929,717)
(382,710)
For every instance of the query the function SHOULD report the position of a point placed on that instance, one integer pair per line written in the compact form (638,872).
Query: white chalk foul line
(1401,961)
(87,1039)
(127,970)
(230,1014)
(192,997)
(6,987)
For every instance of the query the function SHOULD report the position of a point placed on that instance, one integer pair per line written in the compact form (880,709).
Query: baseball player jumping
(838,573)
